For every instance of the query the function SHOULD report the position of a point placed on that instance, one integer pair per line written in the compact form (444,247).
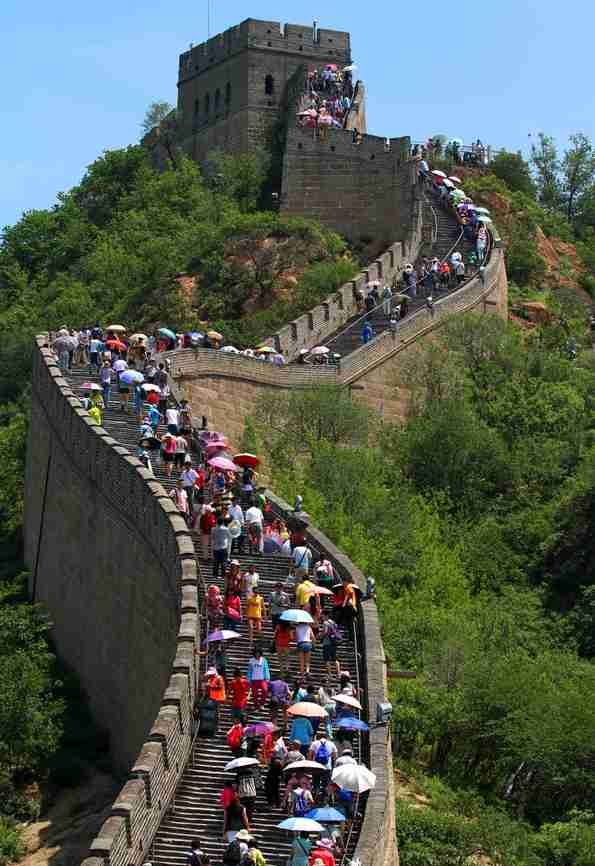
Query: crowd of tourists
(441,148)
(302,753)
(328,98)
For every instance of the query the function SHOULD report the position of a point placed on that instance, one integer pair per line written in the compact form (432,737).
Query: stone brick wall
(114,564)
(363,191)
(226,388)
(223,98)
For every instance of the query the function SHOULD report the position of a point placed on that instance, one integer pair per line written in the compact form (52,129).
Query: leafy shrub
(12,847)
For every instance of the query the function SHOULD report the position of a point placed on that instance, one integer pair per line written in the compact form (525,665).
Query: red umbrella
(246,459)
(116,344)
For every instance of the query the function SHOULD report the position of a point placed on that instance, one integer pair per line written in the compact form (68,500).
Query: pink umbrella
(223,463)
(325,120)
(213,447)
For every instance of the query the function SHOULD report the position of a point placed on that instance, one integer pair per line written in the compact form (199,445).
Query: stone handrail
(142,504)
(376,845)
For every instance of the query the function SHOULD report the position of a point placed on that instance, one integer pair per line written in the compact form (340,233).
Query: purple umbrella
(260,728)
(222,634)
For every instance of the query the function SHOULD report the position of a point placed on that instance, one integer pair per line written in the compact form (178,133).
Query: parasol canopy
(246,459)
(165,332)
(307,710)
(214,335)
(223,463)
(438,173)
(301,825)
(116,344)
(354,777)
(306,766)
(231,349)
(131,377)
(116,329)
(138,338)
(241,763)
(320,350)
(348,700)
(297,617)
(222,634)
(90,386)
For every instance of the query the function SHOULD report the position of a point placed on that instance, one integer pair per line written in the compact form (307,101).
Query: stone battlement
(315,45)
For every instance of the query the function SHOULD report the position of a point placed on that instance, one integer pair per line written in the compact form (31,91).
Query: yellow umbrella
(136,338)
(213,335)
(266,350)
(116,329)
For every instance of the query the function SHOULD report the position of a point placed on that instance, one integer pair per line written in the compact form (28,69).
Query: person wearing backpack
(195,856)
(324,752)
(235,822)
(301,802)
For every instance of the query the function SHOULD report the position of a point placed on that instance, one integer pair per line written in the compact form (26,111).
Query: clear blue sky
(78,76)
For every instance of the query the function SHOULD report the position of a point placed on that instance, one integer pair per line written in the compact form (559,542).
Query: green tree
(155,114)
(514,171)
(546,164)
(578,172)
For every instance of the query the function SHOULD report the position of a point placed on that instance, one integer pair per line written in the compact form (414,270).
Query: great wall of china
(118,570)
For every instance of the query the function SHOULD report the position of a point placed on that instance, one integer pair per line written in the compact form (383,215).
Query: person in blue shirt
(154,418)
(367,333)
(302,730)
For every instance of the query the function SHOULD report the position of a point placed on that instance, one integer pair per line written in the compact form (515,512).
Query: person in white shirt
(188,477)
(250,580)
(172,419)
(236,513)
(254,523)
(302,560)
(346,757)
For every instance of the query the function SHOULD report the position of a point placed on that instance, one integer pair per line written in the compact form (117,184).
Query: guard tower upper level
(312,44)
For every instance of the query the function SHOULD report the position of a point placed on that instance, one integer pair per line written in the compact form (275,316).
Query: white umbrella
(239,763)
(304,765)
(148,387)
(301,825)
(455,179)
(354,777)
(373,283)
(116,329)
(120,365)
(351,68)
(320,350)
(438,173)
(231,349)
(347,699)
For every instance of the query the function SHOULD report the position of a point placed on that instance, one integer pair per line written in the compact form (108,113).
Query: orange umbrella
(116,344)
(308,710)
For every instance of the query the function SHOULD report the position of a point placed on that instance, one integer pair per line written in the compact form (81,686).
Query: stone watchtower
(230,88)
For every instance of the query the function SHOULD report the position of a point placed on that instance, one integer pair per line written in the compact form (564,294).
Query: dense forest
(475,516)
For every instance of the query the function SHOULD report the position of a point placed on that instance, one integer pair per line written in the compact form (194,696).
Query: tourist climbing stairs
(195,810)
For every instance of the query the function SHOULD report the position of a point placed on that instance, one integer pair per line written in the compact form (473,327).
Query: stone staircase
(195,810)
(348,338)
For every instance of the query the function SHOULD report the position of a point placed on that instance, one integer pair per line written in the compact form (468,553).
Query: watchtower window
(217,99)
(196,106)
(227,93)
(269,85)
(207,103)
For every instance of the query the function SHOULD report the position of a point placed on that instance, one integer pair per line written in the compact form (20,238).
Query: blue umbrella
(352,724)
(165,332)
(271,545)
(195,335)
(297,616)
(131,377)
(326,815)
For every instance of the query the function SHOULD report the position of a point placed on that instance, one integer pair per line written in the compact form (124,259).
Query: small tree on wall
(163,120)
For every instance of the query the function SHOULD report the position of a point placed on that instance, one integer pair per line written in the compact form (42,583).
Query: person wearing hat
(346,757)
(215,686)
(236,514)
(322,853)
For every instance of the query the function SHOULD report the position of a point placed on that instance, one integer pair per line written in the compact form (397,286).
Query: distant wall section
(364,191)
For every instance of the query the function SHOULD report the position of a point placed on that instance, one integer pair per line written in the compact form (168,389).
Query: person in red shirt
(235,735)
(322,851)
(238,690)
